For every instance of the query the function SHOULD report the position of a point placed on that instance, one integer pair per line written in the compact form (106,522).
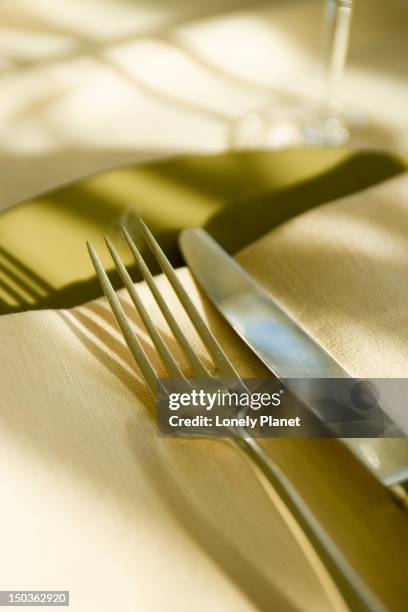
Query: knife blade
(282,345)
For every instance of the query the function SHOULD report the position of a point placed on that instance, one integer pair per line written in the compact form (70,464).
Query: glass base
(305,124)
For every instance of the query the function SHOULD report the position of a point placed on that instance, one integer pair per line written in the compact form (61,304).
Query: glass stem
(338,19)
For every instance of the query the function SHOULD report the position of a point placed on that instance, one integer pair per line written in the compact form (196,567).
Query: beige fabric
(341,270)
(85,88)
(93,501)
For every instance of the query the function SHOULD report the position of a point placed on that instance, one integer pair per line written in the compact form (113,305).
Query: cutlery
(286,349)
(342,581)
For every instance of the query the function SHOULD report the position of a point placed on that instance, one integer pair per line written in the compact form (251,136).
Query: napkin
(340,270)
(95,502)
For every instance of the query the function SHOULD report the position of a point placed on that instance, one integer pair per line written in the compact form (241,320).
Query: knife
(285,348)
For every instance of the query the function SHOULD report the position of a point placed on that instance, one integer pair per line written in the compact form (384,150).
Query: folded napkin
(341,270)
(95,502)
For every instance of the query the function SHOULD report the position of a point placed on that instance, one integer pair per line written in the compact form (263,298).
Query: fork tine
(200,371)
(133,343)
(224,365)
(167,358)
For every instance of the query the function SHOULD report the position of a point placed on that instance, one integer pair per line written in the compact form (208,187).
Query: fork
(342,582)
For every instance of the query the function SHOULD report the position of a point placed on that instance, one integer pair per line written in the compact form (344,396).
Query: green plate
(237,197)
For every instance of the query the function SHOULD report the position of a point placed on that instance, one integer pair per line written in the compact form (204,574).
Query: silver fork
(322,551)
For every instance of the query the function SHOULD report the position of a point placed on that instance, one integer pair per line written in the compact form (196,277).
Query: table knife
(284,347)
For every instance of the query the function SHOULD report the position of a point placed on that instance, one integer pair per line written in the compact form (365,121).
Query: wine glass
(325,123)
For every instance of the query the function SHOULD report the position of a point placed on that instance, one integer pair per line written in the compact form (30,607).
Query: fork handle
(356,592)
